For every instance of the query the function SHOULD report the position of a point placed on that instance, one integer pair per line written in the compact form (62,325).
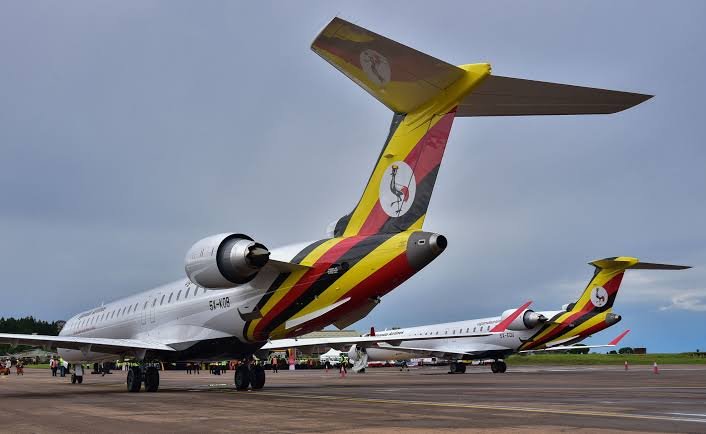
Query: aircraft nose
(424,247)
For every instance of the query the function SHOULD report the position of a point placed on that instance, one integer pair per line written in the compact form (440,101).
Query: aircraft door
(153,307)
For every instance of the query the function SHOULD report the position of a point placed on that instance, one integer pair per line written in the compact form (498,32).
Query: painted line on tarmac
(487,407)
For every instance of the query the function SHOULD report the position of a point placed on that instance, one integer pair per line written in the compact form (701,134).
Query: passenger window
(474,329)
(467,330)
(178,295)
(162,301)
(196,291)
(187,293)
(454,331)
(170,297)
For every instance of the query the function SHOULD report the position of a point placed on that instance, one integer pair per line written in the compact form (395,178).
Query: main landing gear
(249,375)
(139,374)
(498,367)
(457,368)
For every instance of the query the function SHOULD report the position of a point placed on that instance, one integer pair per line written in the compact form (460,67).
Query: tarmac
(426,399)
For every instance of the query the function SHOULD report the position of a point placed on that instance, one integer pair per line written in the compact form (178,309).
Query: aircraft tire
(151,379)
(494,367)
(134,379)
(257,377)
(461,368)
(502,367)
(242,377)
(79,379)
(73,378)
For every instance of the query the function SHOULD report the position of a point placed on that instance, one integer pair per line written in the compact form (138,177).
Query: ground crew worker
(342,368)
(275,368)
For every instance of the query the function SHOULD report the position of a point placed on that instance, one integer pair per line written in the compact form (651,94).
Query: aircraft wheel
(257,377)
(494,367)
(79,379)
(134,379)
(453,368)
(502,367)
(461,368)
(242,377)
(151,379)
(73,378)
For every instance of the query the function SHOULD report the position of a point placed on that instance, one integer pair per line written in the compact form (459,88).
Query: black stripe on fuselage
(266,296)
(360,250)
(559,330)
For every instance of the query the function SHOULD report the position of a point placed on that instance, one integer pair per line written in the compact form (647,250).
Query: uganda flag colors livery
(593,311)
(370,247)
(238,294)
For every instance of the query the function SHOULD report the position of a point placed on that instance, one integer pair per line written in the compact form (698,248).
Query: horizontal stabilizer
(506,96)
(625,262)
(648,266)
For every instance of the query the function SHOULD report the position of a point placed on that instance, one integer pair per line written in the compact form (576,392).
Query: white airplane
(237,294)
(528,331)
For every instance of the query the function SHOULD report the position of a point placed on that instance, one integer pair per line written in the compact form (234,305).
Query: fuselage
(451,341)
(342,278)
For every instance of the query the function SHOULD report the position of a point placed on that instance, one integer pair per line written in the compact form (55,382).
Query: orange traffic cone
(655,369)
(626,365)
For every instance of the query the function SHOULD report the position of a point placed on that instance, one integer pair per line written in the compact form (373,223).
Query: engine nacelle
(528,319)
(225,260)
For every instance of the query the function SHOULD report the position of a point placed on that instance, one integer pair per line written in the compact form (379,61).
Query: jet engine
(528,319)
(225,260)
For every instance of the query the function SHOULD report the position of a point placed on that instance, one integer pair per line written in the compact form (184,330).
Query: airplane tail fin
(592,312)
(425,94)
(601,291)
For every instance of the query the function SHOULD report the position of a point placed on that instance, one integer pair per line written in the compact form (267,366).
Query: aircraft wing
(84,344)
(612,343)
(394,341)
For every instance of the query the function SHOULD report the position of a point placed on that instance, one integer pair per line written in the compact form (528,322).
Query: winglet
(372,331)
(615,341)
(502,325)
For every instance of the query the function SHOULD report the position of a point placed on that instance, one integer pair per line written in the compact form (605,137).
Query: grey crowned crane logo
(599,296)
(376,67)
(397,189)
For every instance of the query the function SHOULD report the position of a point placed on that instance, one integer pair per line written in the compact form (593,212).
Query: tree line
(27,325)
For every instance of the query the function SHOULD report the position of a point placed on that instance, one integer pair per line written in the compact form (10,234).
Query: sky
(129,130)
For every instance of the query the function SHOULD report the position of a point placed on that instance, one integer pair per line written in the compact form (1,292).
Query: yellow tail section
(423,92)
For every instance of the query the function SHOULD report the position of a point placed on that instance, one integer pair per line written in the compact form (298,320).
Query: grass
(39,366)
(607,359)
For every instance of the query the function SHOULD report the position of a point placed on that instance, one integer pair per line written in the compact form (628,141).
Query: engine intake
(529,319)
(225,260)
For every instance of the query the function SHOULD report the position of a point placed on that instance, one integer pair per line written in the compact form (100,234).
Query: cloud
(693,300)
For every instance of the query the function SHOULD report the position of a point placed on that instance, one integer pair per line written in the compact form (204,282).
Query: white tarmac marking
(689,414)
(490,407)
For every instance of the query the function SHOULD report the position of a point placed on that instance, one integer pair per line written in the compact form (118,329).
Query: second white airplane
(515,331)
